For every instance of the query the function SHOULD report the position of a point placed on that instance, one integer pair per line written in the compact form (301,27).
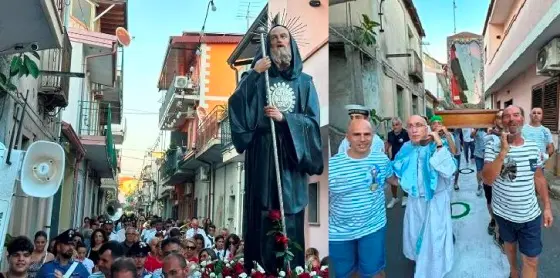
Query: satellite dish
(201,113)
(42,169)
(123,37)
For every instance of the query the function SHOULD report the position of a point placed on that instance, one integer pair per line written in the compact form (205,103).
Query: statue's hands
(274,113)
(262,64)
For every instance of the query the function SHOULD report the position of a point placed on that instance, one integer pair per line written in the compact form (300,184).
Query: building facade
(385,75)
(315,54)
(520,58)
(196,84)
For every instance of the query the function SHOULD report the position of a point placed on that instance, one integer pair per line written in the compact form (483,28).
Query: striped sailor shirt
(513,191)
(356,195)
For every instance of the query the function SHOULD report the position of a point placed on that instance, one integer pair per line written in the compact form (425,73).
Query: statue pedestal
(474,118)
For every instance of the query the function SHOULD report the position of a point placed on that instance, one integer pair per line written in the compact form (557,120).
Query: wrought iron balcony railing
(225,132)
(95,121)
(172,158)
(209,129)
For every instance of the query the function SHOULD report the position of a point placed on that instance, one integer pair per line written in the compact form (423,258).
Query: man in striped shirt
(357,205)
(514,169)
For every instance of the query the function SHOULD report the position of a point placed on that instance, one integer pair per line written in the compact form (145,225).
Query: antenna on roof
(247,11)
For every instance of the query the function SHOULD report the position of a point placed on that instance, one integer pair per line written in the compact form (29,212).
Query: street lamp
(213,6)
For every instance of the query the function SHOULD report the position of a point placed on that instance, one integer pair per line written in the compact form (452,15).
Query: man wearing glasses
(168,246)
(426,171)
(514,169)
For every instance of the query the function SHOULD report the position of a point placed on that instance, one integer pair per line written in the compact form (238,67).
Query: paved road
(476,256)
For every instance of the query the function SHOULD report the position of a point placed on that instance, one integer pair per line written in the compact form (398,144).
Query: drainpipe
(236,73)
(240,196)
(213,188)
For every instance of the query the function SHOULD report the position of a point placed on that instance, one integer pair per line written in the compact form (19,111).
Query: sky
(437,20)
(151,23)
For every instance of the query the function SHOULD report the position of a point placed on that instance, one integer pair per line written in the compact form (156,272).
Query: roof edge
(248,36)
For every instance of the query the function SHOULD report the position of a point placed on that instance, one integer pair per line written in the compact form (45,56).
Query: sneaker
(456,187)
(392,203)
(491,228)
(404,201)
(479,190)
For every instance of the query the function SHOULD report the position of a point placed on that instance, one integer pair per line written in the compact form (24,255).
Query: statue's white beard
(281,56)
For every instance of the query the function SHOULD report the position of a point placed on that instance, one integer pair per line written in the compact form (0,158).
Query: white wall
(227,197)
(71,113)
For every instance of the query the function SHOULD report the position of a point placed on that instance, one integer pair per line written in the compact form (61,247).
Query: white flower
(312,273)
(212,274)
(193,267)
(241,260)
(203,263)
(228,276)
(243,275)
(299,270)
(228,265)
(197,274)
(226,261)
(260,269)
(282,274)
(324,267)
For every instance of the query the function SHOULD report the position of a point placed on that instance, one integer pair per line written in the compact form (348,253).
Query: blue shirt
(357,196)
(47,270)
(540,134)
(479,143)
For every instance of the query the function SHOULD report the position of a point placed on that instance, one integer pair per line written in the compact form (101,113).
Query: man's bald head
(359,135)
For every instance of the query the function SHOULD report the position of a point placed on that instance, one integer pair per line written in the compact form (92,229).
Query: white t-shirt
(467,132)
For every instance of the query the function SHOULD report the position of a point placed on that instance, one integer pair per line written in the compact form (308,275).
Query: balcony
(97,137)
(54,80)
(415,67)
(119,132)
(229,154)
(209,137)
(31,25)
(170,172)
(178,104)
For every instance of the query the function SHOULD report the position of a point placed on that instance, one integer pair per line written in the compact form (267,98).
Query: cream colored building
(387,76)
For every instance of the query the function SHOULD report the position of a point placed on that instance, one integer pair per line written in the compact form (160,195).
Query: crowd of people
(424,160)
(133,247)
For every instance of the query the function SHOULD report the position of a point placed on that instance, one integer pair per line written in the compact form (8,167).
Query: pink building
(522,58)
(315,54)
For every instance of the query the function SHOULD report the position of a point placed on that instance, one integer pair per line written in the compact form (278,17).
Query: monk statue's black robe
(299,153)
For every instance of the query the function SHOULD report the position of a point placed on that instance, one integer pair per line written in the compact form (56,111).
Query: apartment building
(520,58)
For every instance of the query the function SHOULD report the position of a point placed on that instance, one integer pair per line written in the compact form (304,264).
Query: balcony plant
(364,33)
(21,65)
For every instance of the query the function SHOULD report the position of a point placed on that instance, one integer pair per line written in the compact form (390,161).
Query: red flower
(282,239)
(304,275)
(257,274)
(210,267)
(227,271)
(238,268)
(324,273)
(275,215)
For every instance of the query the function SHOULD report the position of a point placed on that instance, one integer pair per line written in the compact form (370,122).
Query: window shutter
(550,105)
(537,97)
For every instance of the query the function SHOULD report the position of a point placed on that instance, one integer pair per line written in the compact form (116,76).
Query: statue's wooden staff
(262,31)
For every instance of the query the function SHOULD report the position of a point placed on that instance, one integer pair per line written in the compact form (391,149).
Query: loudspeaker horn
(114,210)
(42,169)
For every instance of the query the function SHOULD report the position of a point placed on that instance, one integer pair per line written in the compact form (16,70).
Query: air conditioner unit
(181,82)
(203,174)
(548,58)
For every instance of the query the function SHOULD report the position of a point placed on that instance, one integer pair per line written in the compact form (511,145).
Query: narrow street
(476,256)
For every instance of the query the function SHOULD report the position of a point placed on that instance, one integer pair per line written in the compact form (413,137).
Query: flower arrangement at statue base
(235,269)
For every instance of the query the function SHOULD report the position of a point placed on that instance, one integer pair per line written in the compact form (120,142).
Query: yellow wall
(221,77)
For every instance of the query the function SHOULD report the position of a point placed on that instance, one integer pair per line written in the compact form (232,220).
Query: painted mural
(466,68)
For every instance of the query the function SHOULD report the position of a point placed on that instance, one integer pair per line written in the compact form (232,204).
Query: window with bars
(545,96)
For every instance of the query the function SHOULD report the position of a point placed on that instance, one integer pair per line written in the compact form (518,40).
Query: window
(415,105)
(400,108)
(545,96)
(82,10)
(498,104)
(313,207)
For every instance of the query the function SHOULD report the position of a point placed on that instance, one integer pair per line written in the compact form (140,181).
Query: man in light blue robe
(426,173)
